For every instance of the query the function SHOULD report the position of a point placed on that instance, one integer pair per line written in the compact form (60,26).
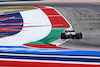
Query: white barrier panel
(36,26)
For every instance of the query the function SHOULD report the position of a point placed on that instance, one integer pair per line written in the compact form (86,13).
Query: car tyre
(79,36)
(63,36)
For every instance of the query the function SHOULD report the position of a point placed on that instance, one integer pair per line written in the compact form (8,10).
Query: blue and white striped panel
(10,24)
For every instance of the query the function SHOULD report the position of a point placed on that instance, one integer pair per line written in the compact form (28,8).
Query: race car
(71,34)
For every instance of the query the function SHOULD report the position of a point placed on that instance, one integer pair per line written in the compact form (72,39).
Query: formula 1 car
(70,34)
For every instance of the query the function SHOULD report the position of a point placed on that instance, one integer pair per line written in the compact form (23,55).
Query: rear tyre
(79,36)
(63,36)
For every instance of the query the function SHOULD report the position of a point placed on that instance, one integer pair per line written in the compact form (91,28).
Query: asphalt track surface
(84,18)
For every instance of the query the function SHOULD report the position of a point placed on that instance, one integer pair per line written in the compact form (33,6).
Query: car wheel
(79,36)
(63,36)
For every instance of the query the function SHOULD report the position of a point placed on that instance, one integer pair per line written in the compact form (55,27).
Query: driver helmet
(69,30)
